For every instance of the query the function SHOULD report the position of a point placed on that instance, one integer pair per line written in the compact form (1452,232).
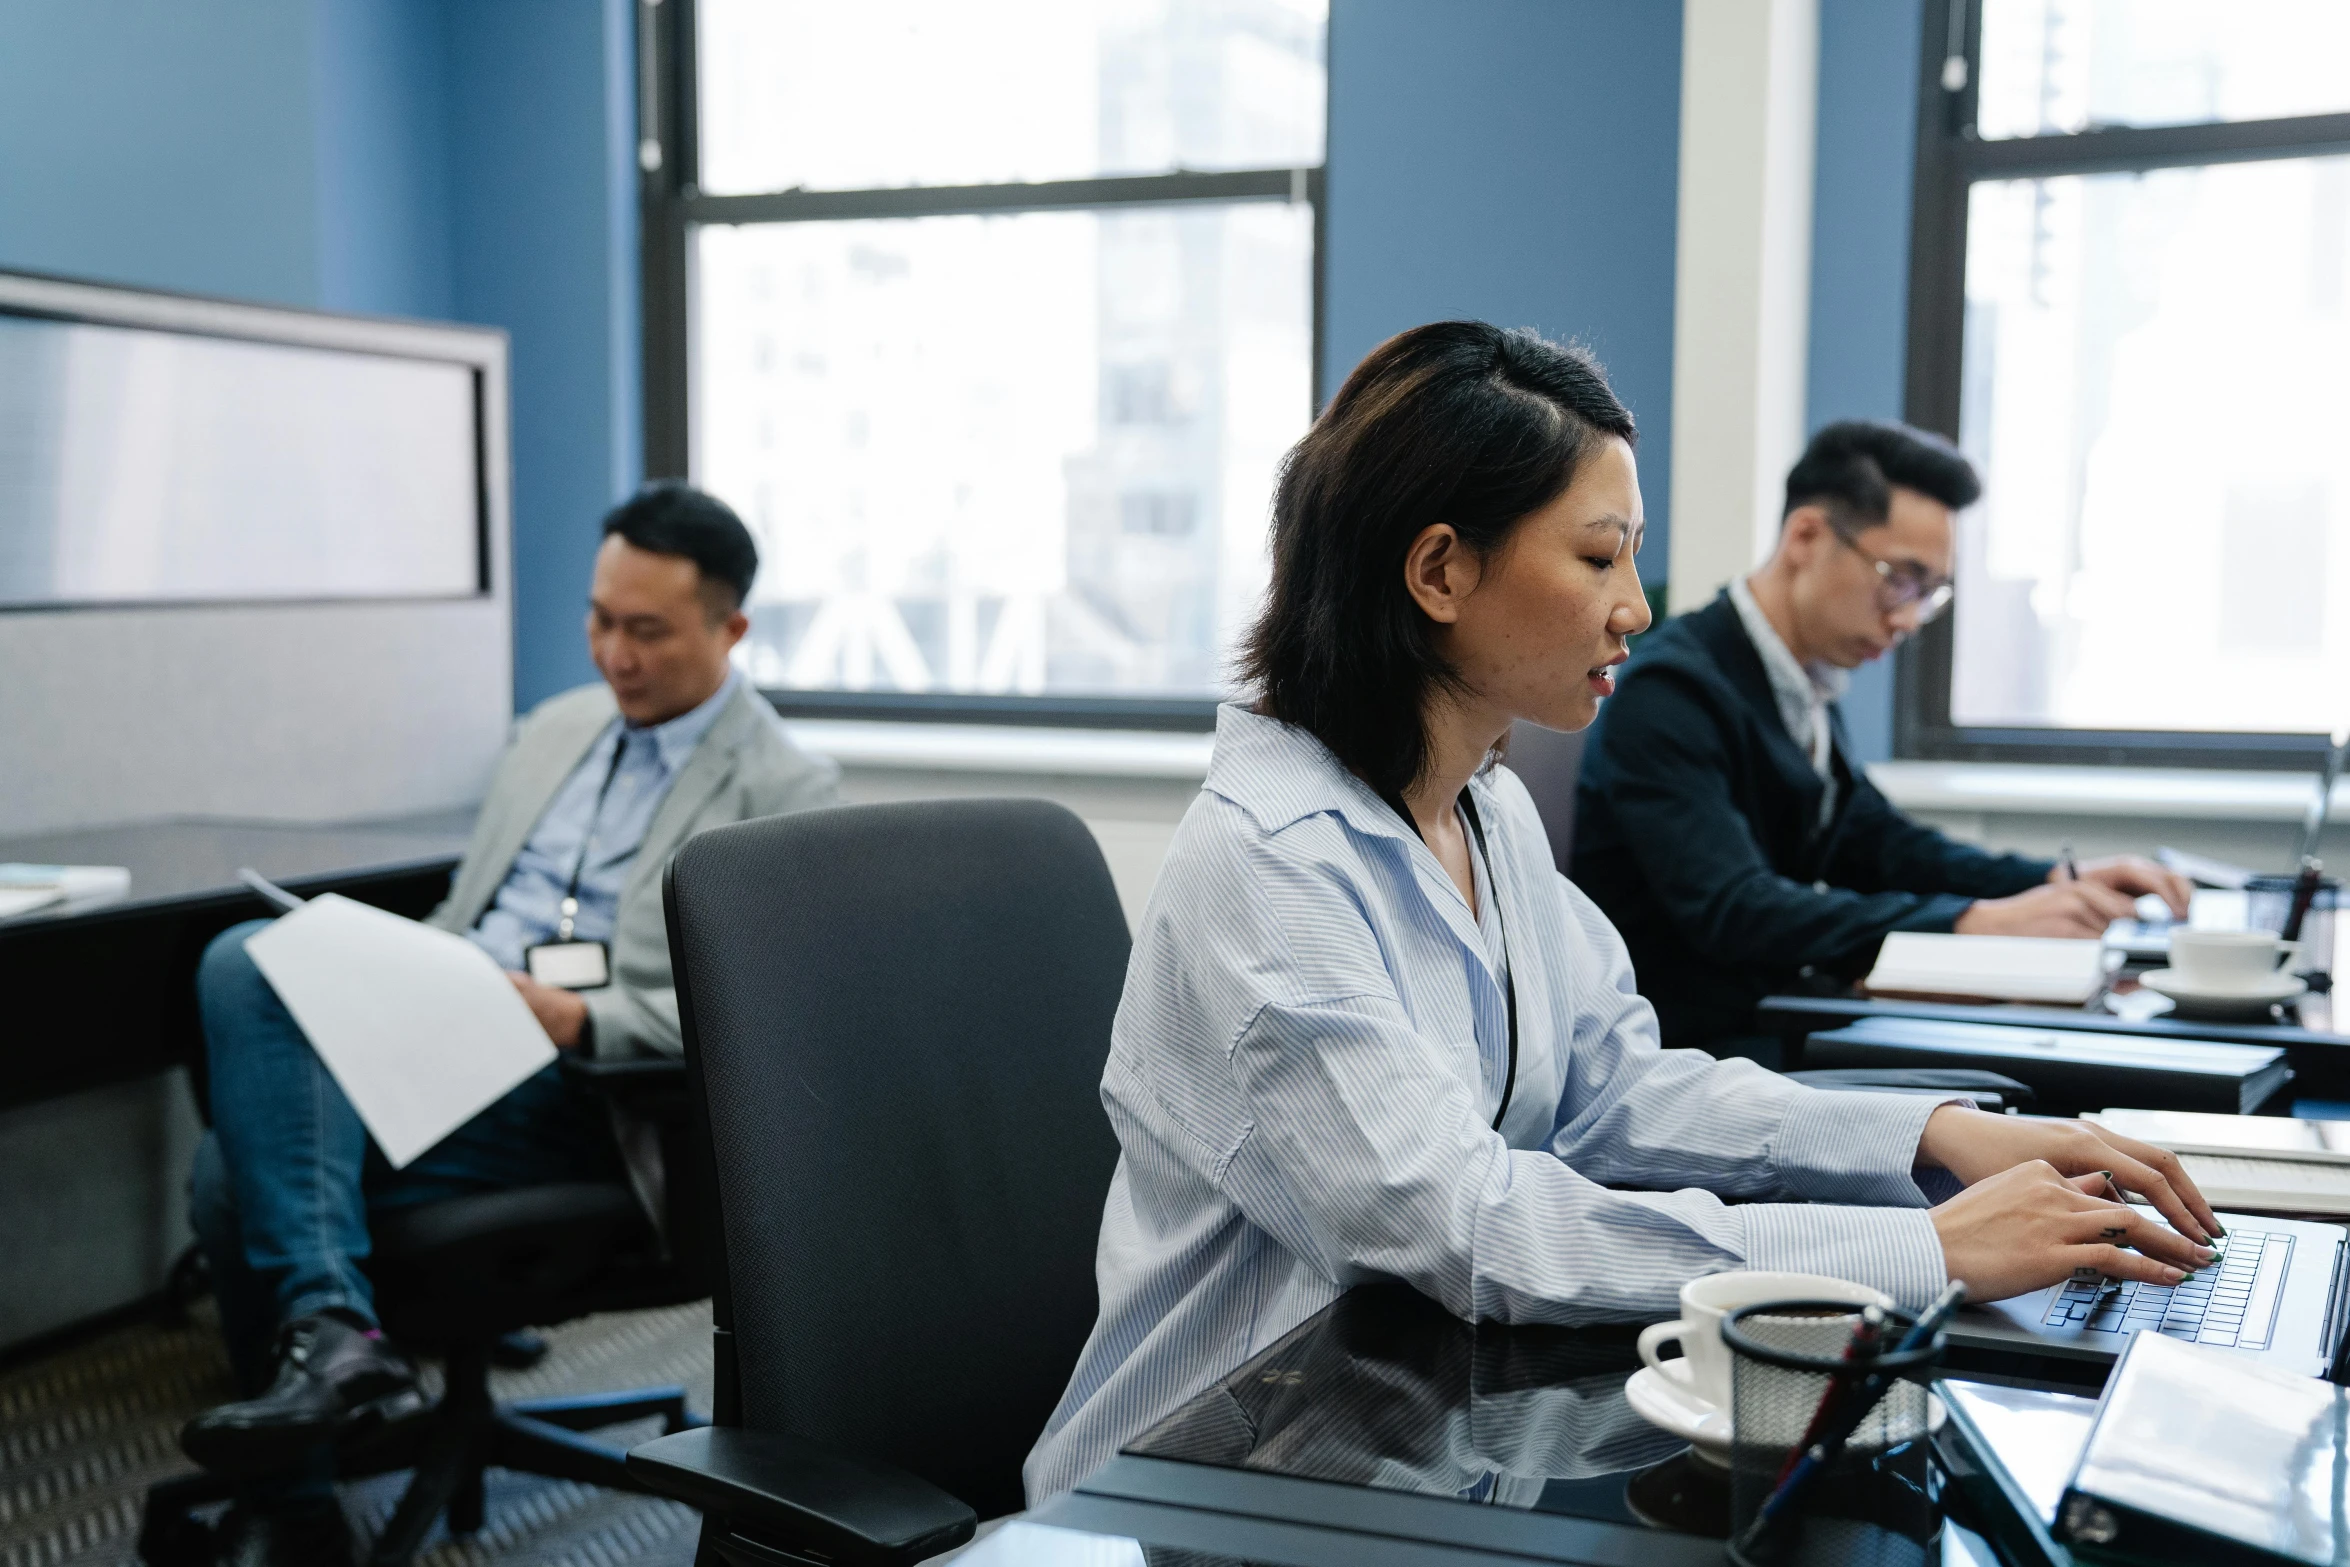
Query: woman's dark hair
(1455,422)
(671,517)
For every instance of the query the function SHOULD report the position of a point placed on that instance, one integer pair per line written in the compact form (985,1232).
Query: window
(993,323)
(2130,303)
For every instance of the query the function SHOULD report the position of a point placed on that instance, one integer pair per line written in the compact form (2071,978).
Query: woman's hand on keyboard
(1974,1147)
(2028,1227)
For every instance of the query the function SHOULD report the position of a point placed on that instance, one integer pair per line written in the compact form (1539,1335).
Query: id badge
(570,965)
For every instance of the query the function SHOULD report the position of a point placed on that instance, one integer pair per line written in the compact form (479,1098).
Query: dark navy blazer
(1697,830)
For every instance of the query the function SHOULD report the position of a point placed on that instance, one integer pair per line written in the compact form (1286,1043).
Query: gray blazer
(745,767)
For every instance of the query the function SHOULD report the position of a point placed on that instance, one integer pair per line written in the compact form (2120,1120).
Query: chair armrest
(589,1070)
(635,1082)
(804,1494)
(1991,1089)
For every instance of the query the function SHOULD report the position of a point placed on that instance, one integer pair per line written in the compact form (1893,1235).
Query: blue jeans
(285,1180)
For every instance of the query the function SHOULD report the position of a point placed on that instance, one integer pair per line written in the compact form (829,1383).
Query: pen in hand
(2072,872)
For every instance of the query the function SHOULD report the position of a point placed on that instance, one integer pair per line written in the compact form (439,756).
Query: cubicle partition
(255,571)
(254,562)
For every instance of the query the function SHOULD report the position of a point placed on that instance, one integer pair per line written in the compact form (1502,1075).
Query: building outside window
(993,323)
(2131,305)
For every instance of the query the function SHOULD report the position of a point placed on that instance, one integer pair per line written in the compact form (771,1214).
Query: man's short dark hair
(671,517)
(1851,466)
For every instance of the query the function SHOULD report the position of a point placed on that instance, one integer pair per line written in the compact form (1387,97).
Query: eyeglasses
(1903,584)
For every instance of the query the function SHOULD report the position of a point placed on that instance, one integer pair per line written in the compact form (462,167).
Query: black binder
(2199,1455)
(2069,1071)
(2007,1453)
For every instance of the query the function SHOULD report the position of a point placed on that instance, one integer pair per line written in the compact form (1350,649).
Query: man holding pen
(1721,821)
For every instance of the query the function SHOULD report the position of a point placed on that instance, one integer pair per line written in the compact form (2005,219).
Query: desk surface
(196,860)
(1800,1015)
(1385,1429)
(104,992)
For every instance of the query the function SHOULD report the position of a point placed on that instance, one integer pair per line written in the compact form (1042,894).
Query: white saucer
(1670,1405)
(2257,997)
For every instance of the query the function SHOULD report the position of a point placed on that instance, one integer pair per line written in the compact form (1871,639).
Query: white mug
(1704,1367)
(2228,959)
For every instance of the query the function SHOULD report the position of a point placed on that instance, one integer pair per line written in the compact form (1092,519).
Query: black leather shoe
(310,1536)
(332,1379)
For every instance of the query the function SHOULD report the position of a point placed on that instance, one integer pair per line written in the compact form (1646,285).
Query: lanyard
(1509,975)
(570,905)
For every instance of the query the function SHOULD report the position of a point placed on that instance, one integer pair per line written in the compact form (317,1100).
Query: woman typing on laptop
(1370,1032)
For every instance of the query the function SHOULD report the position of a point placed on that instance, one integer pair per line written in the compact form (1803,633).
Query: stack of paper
(24,888)
(2270,1163)
(2257,1136)
(1989,968)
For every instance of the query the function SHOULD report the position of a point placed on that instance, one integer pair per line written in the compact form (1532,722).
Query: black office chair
(897,1016)
(455,1277)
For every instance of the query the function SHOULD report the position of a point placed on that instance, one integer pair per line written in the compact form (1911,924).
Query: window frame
(671,205)
(1951,158)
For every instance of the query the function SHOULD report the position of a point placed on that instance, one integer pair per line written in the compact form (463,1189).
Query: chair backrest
(897,1017)
(1547,762)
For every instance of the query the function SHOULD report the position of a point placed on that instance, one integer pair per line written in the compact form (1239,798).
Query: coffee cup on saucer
(2227,973)
(1703,1371)
(2224,960)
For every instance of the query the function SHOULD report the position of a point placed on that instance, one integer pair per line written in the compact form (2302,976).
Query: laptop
(2278,1294)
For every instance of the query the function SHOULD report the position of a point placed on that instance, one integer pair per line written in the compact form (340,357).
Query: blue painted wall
(544,197)
(385,242)
(1860,254)
(451,159)
(1514,160)
(159,143)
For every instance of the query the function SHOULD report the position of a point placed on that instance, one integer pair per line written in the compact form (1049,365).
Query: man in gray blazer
(562,886)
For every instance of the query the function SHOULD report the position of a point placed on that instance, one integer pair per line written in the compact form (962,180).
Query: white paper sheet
(419,1027)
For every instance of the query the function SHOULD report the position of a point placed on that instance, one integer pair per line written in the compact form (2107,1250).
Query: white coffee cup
(1704,1367)
(2228,959)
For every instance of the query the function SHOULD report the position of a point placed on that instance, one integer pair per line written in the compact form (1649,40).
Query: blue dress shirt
(529,905)
(1304,1074)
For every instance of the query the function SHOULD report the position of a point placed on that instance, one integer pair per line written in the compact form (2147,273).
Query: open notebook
(1989,968)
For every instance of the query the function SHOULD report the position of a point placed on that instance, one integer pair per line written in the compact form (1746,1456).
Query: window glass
(878,93)
(2060,66)
(2157,388)
(1028,453)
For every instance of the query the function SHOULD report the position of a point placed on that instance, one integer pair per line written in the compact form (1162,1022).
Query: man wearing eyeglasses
(1720,819)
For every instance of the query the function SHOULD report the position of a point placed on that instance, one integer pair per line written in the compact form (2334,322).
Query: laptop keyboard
(2232,1304)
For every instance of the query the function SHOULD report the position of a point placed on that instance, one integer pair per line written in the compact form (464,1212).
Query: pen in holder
(1836,1403)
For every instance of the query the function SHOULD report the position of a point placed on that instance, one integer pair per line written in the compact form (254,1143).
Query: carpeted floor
(84,1431)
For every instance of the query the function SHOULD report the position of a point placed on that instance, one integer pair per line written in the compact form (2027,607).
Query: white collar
(1280,773)
(1801,690)
(674,739)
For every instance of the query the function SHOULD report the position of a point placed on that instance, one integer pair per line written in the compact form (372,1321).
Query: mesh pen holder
(1871,1504)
